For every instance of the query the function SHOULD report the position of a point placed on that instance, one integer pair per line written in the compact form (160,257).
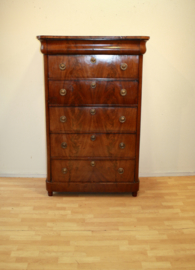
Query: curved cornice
(92,45)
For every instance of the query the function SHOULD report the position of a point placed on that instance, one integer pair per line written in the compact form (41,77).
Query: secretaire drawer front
(93,145)
(93,170)
(92,119)
(87,92)
(93,66)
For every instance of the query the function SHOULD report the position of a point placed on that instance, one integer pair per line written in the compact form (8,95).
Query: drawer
(93,145)
(92,119)
(88,92)
(93,66)
(92,171)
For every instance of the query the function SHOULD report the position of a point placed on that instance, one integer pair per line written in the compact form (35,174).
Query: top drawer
(93,66)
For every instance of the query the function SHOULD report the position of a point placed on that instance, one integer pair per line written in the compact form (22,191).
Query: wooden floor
(155,230)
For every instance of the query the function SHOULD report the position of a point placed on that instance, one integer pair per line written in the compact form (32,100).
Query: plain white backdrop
(168,99)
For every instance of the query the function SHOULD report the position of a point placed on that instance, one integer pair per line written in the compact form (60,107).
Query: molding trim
(25,175)
(160,174)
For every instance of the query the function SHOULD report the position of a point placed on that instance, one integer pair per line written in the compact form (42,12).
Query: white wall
(168,112)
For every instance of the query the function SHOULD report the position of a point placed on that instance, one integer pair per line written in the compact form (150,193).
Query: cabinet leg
(134,193)
(50,193)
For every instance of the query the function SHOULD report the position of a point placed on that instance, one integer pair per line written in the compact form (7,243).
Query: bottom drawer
(92,170)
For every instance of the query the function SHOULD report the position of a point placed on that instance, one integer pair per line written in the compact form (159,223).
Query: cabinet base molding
(93,187)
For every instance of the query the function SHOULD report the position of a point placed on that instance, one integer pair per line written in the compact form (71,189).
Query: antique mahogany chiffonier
(93,106)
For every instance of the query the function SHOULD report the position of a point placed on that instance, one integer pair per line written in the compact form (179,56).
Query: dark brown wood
(138,118)
(93,145)
(87,45)
(134,193)
(81,93)
(47,117)
(44,37)
(79,120)
(82,171)
(84,153)
(80,66)
(94,187)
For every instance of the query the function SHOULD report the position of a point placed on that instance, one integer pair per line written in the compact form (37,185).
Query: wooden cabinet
(93,107)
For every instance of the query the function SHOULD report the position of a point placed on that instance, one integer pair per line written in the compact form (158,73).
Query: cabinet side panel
(138,119)
(47,116)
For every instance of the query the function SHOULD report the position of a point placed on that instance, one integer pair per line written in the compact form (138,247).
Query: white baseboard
(161,174)
(25,175)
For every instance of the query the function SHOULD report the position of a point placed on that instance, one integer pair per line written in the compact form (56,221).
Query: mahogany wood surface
(47,117)
(84,77)
(108,187)
(88,44)
(79,119)
(138,117)
(81,171)
(45,37)
(81,92)
(85,145)
(80,66)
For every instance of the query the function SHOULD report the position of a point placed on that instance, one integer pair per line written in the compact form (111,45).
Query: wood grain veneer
(80,66)
(93,89)
(79,119)
(105,92)
(93,145)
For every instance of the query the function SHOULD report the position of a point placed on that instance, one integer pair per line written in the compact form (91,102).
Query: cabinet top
(42,37)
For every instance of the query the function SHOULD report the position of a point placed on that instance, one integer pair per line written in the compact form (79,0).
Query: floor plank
(155,230)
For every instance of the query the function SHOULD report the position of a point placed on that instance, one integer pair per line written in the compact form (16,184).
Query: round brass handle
(124,66)
(93,85)
(92,163)
(64,145)
(93,60)
(63,119)
(92,111)
(122,119)
(123,92)
(120,170)
(62,92)
(62,66)
(64,170)
(93,137)
(122,145)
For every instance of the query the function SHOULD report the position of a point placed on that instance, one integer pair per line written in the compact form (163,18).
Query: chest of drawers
(93,109)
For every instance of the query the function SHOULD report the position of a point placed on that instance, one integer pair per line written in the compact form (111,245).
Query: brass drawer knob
(92,111)
(63,119)
(122,119)
(123,92)
(62,92)
(92,163)
(93,85)
(93,137)
(62,66)
(64,145)
(124,66)
(93,60)
(122,145)
(120,170)
(64,170)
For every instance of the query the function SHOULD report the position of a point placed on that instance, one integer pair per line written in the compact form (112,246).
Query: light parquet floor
(156,230)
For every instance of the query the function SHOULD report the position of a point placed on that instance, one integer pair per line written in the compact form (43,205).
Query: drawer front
(92,119)
(93,145)
(96,66)
(86,92)
(93,171)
